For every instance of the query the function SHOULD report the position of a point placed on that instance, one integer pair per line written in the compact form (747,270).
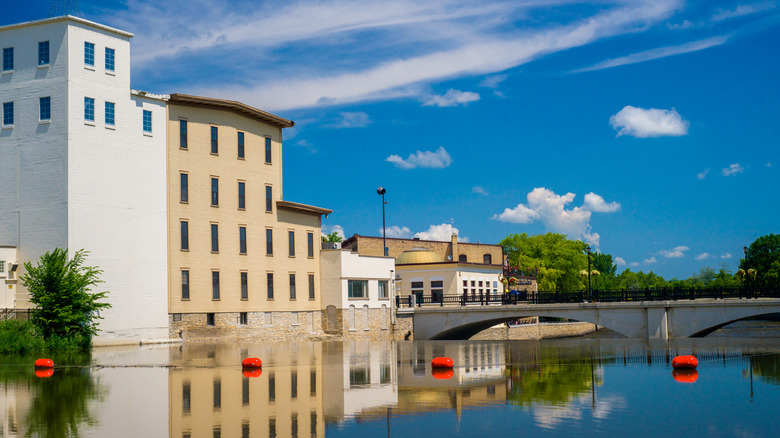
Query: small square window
(89,54)
(44,108)
(8,113)
(89,109)
(210,319)
(110,113)
(43,53)
(147,121)
(109,59)
(8,59)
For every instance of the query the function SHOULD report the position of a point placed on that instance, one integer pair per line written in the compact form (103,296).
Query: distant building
(447,251)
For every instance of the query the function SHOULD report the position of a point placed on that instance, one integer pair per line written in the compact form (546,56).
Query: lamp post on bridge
(587,249)
(381,191)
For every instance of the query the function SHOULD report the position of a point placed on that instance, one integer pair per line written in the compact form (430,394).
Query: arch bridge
(639,319)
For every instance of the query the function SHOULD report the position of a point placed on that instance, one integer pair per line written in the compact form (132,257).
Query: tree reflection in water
(767,367)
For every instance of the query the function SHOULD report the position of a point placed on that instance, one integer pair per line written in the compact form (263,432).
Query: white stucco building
(83,165)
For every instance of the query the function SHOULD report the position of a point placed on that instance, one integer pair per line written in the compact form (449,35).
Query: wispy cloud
(733,169)
(703,173)
(768,164)
(741,11)
(650,261)
(725,256)
(619,261)
(661,52)
(434,160)
(703,256)
(452,98)
(676,252)
(397,232)
(634,264)
(306,145)
(349,119)
(652,122)
(480,190)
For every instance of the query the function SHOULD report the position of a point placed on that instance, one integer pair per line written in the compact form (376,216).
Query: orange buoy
(442,373)
(252,362)
(252,372)
(685,362)
(44,363)
(441,362)
(685,375)
(44,372)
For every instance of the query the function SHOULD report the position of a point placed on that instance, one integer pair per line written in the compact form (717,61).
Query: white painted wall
(339,266)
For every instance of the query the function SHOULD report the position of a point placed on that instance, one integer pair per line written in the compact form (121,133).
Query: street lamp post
(587,249)
(747,275)
(381,191)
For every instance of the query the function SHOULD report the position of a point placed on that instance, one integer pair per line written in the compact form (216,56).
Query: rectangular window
(44,108)
(291,243)
(147,121)
(8,113)
(214,141)
(184,191)
(240,144)
(43,53)
(8,59)
(294,385)
(217,393)
(270,283)
(313,382)
(272,397)
(244,285)
(185,397)
(383,290)
(109,59)
(245,388)
(268,200)
(183,134)
(310,244)
(185,284)
(268,150)
(243,318)
(311,286)
(89,54)
(185,235)
(214,192)
(110,113)
(357,288)
(214,285)
(292,286)
(89,109)
(241,195)
(269,241)
(214,238)
(210,319)
(242,240)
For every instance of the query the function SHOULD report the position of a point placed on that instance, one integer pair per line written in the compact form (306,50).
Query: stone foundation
(544,330)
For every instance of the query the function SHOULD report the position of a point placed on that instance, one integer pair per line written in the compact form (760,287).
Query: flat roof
(231,105)
(359,236)
(66,18)
(303,208)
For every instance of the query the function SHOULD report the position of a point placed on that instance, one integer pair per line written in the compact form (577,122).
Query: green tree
(332,237)
(606,278)
(763,255)
(61,290)
(559,259)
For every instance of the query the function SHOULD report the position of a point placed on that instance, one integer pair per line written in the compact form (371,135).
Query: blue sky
(647,128)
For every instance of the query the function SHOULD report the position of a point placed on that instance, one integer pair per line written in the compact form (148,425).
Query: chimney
(454,247)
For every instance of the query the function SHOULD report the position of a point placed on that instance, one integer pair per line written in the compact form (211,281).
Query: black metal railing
(582,296)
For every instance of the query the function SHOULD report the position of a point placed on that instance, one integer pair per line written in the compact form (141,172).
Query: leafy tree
(763,255)
(61,290)
(606,278)
(559,259)
(332,237)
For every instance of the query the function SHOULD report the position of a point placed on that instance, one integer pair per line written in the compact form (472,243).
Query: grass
(22,337)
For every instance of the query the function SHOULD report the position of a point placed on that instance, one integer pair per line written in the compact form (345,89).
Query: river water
(585,387)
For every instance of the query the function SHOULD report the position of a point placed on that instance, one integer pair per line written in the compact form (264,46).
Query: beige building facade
(447,251)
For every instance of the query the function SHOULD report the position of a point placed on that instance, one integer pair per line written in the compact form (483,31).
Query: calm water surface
(582,387)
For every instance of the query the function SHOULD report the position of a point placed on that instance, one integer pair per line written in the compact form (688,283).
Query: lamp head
(380,191)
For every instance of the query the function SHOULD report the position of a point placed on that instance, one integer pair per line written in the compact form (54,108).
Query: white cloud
(703,256)
(651,260)
(703,173)
(442,232)
(306,145)
(338,229)
(492,81)
(434,160)
(397,232)
(479,189)
(768,164)
(596,203)
(619,261)
(741,11)
(452,98)
(644,123)
(549,208)
(733,169)
(661,52)
(676,252)
(726,256)
(634,264)
(679,26)
(349,119)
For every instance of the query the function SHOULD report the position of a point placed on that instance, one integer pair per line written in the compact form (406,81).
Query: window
(437,290)
(272,397)
(291,242)
(214,238)
(214,285)
(185,284)
(44,108)
(417,290)
(383,290)
(310,244)
(269,241)
(184,184)
(357,288)
(110,113)
(240,144)
(294,385)
(217,393)
(214,142)
(268,150)
(268,205)
(487,259)
(8,59)
(462,258)
(242,240)
(2,266)
(292,286)
(241,195)
(185,397)
(147,121)
(89,109)
(183,134)
(8,113)
(270,282)
(43,53)
(313,383)
(244,285)
(311,286)
(89,54)
(109,59)
(185,236)
(214,192)
(210,319)
(243,319)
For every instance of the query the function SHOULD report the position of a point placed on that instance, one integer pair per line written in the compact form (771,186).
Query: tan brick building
(448,251)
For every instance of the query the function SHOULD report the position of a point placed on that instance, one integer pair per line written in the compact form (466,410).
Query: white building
(83,165)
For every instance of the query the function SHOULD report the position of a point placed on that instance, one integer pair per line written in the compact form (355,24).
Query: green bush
(20,337)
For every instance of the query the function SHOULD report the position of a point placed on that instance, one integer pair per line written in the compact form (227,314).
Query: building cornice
(303,208)
(67,18)
(230,105)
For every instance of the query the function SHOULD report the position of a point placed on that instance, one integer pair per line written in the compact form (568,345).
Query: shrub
(20,337)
